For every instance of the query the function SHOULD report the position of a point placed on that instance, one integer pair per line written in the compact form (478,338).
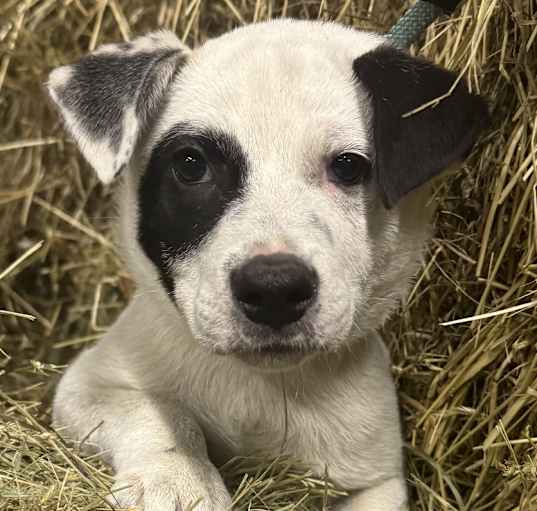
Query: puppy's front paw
(181,485)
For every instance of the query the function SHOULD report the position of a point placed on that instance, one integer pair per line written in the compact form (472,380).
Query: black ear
(411,149)
(109,97)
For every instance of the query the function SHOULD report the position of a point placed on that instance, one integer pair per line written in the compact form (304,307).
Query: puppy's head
(272,178)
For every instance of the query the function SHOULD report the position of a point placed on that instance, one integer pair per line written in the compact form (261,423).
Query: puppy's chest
(258,419)
(343,417)
(244,420)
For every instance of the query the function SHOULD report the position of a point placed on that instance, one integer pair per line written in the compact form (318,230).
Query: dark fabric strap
(412,25)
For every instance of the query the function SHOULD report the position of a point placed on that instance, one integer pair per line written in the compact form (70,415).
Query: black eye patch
(177,214)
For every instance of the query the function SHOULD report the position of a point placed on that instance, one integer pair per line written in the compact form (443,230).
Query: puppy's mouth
(281,349)
(272,349)
(275,355)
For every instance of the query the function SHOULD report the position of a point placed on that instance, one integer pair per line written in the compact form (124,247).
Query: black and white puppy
(272,211)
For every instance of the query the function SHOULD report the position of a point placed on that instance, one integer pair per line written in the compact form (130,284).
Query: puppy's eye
(349,169)
(190,166)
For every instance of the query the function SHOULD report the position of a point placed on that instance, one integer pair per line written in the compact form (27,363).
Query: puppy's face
(271,174)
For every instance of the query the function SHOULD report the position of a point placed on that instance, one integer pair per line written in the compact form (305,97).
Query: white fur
(166,385)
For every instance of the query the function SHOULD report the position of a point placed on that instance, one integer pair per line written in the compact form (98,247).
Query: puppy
(273,208)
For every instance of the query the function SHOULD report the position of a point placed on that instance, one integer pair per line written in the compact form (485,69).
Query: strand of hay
(464,345)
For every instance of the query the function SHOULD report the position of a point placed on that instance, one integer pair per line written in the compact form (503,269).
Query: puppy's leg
(390,495)
(155,446)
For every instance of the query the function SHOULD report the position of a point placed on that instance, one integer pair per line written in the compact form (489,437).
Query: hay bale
(468,389)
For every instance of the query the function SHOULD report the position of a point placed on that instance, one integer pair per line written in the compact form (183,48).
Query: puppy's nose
(274,289)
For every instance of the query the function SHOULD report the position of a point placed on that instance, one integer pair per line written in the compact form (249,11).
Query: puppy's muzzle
(274,290)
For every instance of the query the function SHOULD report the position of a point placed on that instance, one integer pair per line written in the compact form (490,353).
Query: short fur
(184,379)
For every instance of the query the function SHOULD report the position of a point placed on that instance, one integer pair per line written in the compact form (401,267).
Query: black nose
(274,290)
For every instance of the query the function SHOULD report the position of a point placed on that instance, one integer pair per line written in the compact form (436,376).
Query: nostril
(251,298)
(274,289)
(300,295)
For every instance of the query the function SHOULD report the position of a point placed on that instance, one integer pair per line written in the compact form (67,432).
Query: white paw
(178,485)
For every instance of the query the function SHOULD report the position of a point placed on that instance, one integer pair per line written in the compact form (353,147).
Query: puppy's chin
(274,359)
(273,353)
(266,349)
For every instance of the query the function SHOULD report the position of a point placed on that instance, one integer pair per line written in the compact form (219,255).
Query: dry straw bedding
(468,390)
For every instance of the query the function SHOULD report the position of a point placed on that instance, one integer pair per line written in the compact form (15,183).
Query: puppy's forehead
(276,82)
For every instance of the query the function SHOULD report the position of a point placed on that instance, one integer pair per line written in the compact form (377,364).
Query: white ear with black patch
(109,97)
(411,149)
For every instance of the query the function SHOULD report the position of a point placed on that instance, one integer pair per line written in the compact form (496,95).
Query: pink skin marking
(329,185)
(270,248)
